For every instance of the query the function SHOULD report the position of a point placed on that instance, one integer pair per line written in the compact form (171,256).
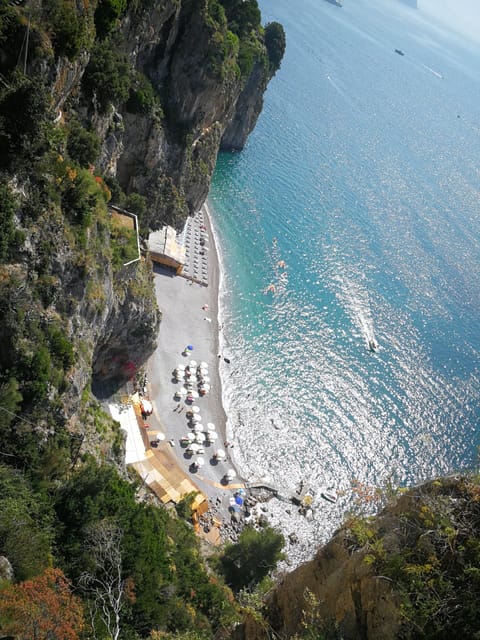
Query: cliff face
(407,573)
(138,97)
(207,103)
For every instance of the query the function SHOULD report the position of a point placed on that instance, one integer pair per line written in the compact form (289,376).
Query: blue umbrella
(190,347)
(239,500)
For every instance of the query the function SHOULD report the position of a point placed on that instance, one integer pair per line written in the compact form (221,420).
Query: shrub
(107,75)
(143,98)
(68,29)
(107,14)
(83,146)
(7,225)
(136,203)
(256,553)
(25,109)
(275,42)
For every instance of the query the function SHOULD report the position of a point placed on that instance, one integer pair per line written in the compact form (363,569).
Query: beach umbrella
(189,451)
(200,450)
(210,426)
(230,473)
(196,417)
(181,367)
(206,380)
(219,454)
(204,364)
(194,394)
(196,409)
(183,391)
(206,386)
(189,347)
(193,363)
(200,462)
(160,436)
(239,500)
(200,437)
(198,427)
(212,436)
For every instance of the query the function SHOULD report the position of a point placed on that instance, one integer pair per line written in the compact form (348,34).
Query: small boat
(400,52)
(373,344)
(329,494)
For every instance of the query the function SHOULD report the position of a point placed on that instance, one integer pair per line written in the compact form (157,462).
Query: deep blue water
(362,175)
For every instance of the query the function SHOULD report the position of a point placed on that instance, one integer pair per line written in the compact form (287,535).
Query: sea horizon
(352,215)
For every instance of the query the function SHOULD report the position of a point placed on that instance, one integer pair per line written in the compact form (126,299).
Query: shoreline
(190,315)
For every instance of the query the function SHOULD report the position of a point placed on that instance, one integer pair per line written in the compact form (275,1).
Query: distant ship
(337,3)
(373,344)
(400,52)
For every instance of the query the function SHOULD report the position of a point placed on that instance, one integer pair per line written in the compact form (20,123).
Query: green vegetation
(83,146)
(275,42)
(69,29)
(434,566)
(143,97)
(252,558)
(124,244)
(26,525)
(107,14)
(159,555)
(26,114)
(107,76)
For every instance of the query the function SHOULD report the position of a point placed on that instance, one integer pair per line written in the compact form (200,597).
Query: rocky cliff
(411,572)
(113,100)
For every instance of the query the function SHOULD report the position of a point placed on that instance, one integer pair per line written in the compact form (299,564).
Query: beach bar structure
(164,249)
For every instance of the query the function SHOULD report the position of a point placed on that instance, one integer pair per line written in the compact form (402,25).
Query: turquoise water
(362,175)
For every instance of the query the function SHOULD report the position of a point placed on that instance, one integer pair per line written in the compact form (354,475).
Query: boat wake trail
(435,73)
(357,304)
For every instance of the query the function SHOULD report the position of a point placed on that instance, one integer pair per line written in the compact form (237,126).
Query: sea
(353,215)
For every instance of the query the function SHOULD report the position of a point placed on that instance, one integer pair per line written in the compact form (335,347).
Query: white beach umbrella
(198,427)
(206,380)
(210,426)
(206,386)
(195,409)
(194,394)
(193,363)
(181,367)
(200,437)
(183,391)
(204,364)
(196,417)
(220,454)
(230,473)
(192,448)
(200,462)
(160,436)
(200,450)
(212,436)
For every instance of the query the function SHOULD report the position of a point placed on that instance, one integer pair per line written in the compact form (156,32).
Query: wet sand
(185,322)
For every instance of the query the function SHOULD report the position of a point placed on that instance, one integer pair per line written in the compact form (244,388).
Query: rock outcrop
(410,572)
(139,98)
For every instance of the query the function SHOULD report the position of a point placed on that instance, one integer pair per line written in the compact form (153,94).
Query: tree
(7,222)
(41,609)
(25,525)
(275,42)
(256,553)
(102,581)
